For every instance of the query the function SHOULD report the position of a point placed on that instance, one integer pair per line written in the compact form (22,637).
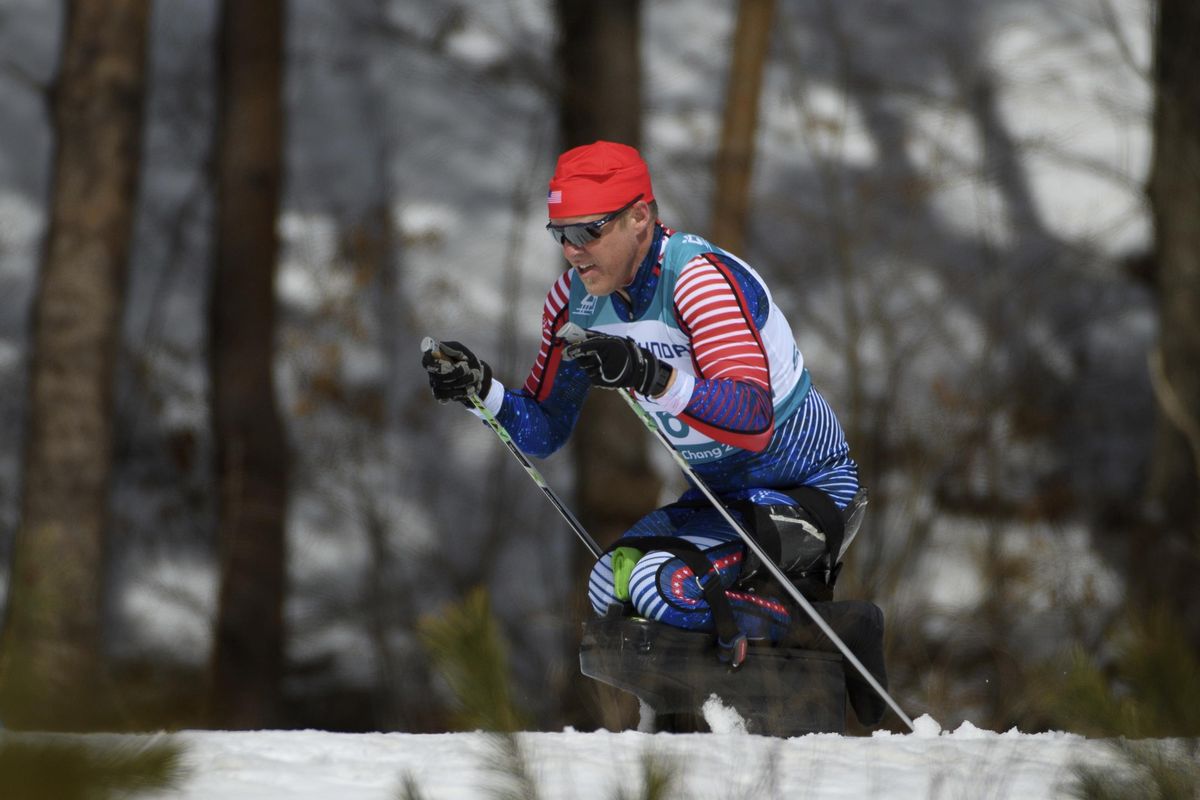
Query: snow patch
(475,45)
(646,716)
(968,731)
(423,222)
(171,608)
(926,727)
(20,222)
(722,718)
(833,126)
(10,355)
(316,765)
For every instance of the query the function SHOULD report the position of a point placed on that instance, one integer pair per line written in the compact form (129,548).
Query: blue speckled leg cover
(663,588)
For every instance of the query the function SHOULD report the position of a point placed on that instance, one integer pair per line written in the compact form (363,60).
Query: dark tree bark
(52,633)
(601,99)
(1172,541)
(251,447)
(601,71)
(735,154)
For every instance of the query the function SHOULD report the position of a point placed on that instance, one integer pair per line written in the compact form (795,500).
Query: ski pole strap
(731,642)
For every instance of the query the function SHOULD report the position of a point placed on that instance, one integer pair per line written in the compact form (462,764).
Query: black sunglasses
(581,233)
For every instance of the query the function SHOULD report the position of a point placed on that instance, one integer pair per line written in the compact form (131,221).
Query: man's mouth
(584,269)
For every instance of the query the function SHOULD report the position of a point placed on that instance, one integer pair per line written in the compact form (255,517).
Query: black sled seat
(778,691)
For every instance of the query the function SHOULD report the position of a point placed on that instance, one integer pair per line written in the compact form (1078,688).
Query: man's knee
(601,593)
(644,590)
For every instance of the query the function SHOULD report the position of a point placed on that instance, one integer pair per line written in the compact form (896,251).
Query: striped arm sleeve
(731,402)
(542,415)
(554,315)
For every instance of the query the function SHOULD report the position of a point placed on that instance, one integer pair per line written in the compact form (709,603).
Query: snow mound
(722,718)
(926,727)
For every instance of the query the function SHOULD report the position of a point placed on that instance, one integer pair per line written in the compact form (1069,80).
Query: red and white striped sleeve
(554,314)
(711,310)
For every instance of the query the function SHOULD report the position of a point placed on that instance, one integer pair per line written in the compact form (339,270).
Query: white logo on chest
(587,305)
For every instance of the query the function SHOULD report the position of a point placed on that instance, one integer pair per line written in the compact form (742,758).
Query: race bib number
(692,445)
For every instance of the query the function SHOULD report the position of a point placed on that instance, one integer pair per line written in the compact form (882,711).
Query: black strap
(823,513)
(762,528)
(827,516)
(731,642)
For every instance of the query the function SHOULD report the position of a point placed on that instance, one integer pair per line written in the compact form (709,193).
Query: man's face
(610,262)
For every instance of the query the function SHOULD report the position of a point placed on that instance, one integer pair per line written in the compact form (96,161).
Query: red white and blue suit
(741,409)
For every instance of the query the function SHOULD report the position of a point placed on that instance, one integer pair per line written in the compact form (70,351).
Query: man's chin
(597,289)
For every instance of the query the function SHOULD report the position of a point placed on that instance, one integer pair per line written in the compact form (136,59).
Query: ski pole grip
(573,334)
(433,347)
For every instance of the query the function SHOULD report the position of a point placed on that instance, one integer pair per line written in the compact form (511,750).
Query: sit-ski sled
(796,688)
(834,653)
(777,691)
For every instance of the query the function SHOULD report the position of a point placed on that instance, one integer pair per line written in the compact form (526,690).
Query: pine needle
(469,653)
(69,769)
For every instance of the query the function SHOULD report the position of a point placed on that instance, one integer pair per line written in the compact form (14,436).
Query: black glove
(617,362)
(455,372)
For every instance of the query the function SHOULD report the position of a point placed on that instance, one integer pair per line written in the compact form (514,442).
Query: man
(692,332)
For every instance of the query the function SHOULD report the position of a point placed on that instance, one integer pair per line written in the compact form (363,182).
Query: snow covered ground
(930,763)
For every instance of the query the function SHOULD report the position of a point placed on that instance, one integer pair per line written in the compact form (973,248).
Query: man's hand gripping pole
(431,346)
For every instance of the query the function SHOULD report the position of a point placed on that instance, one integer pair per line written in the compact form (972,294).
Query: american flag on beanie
(555,196)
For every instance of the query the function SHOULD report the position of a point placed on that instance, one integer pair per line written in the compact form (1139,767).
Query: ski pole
(429,345)
(573,333)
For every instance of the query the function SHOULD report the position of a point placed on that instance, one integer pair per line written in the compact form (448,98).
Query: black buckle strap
(828,518)
(816,508)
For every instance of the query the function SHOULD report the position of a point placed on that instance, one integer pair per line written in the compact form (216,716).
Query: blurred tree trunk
(598,50)
(1174,483)
(251,448)
(602,71)
(735,155)
(53,629)
(601,99)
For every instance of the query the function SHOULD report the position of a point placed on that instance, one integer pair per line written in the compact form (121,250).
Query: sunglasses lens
(578,235)
(581,234)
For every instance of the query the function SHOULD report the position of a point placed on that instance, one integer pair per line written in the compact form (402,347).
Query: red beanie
(597,178)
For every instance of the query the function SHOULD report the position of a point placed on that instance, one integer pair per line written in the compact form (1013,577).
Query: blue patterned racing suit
(742,410)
